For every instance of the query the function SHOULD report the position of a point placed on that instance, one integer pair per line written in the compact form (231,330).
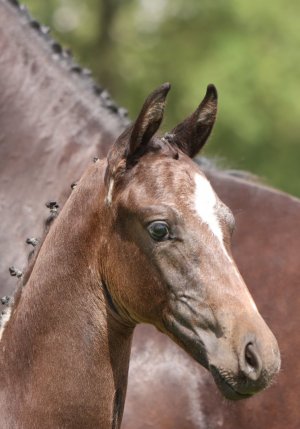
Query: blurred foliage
(250,50)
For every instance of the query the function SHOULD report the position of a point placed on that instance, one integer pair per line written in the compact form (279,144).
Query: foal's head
(169,261)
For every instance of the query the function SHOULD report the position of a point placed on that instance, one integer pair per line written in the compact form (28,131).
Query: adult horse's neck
(52,122)
(63,330)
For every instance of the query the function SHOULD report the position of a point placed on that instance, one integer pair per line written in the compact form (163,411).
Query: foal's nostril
(250,356)
(251,365)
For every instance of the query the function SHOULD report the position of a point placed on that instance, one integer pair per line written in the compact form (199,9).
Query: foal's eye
(159,231)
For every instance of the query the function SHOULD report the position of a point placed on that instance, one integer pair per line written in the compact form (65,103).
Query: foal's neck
(63,328)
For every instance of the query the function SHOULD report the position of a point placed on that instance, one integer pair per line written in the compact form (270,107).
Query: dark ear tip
(211,91)
(159,94)
(164,89)
(166,86)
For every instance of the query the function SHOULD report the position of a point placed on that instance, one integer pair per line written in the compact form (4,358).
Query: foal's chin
(228,390)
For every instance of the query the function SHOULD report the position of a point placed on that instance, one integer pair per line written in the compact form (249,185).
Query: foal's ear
(191,135)
(137,135)
(149,119)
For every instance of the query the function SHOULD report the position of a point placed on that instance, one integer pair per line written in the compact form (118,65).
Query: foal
(143,238)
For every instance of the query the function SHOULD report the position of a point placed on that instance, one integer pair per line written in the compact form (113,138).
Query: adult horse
(34,168)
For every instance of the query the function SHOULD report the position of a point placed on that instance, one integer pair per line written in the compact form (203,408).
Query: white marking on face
(205,203)
(5,318)
(206,208)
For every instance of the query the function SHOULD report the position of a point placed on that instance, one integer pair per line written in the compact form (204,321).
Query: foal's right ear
(139,133)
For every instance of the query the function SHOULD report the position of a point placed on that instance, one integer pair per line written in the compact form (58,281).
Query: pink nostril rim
(252,364)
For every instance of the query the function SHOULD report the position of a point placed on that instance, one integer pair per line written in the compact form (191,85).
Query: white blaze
(205,203)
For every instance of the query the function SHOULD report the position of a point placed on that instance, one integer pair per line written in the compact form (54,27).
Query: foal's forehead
(173,174)
(172,179)
(182,185)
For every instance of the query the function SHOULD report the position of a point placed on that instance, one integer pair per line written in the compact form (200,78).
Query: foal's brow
(159,211)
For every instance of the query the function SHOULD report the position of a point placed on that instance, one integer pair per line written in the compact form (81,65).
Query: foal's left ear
(191,135)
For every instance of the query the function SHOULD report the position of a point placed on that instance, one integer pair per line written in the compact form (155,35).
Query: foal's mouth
(227,389)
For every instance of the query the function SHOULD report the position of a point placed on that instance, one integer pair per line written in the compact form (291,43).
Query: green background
(248,49)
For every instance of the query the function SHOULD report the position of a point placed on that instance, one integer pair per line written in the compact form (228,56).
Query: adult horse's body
(30,176)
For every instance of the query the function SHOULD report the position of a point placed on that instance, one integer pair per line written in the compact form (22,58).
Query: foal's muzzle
(242,374)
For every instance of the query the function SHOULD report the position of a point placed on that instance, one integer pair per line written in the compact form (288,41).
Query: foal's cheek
(138,279)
